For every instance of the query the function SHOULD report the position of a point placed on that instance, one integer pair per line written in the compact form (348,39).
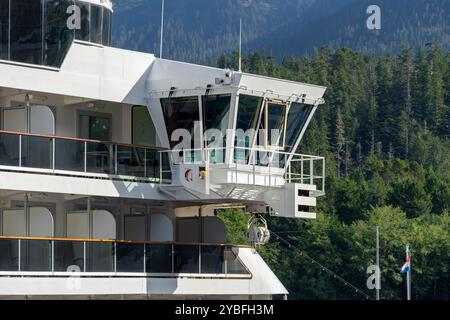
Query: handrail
(38,135)
(89,156)
(63,255)
(123,241)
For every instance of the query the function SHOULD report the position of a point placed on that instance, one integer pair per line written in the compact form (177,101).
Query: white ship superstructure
(96,198)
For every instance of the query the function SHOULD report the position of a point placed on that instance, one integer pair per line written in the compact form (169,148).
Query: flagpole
(408,275)
(378,280)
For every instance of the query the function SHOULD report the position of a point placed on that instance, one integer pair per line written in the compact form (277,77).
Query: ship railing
(271,164)
(72,156)
(88,258)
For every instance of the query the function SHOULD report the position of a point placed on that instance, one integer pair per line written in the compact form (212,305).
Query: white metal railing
(292,167)
(90,157)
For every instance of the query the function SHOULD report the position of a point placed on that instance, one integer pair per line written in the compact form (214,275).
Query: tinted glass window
(276,116)
(144,132)
(26,31)
(96,24)
(248,112)
(57,36)
(297,116)
(180,113)
(4,20)
(216,111)
(83,32)
(106,27)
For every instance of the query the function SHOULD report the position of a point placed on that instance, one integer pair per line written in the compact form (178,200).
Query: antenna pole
(240,43)
(162,29)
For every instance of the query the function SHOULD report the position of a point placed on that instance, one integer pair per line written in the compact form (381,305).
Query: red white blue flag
(407,266)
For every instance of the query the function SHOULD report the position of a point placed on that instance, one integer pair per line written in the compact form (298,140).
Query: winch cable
(323,268)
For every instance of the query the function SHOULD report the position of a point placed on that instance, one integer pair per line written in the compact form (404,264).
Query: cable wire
(323,268)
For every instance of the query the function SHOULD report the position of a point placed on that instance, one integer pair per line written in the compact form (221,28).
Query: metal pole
(408,275)
(162,29)
(378,272)
(240,43)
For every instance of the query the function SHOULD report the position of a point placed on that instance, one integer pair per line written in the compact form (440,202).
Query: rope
(323,268)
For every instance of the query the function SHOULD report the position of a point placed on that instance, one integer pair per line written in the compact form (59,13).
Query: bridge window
(4,25)
(84,31)
(96,24)
(26,31)
(144,132)
(57,37)
(297,117)
(276,124)
(37,31)
(180,113)
(216,113)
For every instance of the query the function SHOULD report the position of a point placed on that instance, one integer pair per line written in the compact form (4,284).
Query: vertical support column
(20,256)
(84,256)
(27,215)
(20,150)
(90,218)
(53,153)
(85,156)
(53,256)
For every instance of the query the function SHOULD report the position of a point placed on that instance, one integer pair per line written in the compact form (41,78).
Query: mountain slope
(201,30)
(412,23)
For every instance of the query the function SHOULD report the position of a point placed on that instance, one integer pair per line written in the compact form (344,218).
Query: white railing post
(311,171)
(53,153)
(85,156)
(20,150)
(323,174)
(301,169)
(20,258)
(53,256)
(84,256)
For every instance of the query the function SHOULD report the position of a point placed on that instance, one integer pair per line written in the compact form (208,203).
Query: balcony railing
(86,257)
(25,150)
(270,163)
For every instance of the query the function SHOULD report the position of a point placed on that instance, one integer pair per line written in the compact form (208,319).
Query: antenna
(244,4)
(240,43)
(162,29)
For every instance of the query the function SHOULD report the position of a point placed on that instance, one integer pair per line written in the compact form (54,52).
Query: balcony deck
(83,158)
(61,257)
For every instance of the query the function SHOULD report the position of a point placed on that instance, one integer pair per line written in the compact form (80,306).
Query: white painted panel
(104,225)
(42,120)
(41,222)
(14,223)
(78,225)
(161,228)
(135,228)
(15,120)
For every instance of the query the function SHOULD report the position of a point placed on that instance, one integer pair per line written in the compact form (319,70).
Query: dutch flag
(407,266)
